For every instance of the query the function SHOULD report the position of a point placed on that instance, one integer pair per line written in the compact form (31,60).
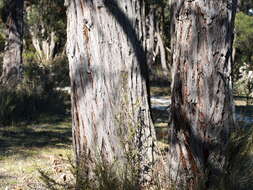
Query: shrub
(37,93)
(22,105)
(239,175)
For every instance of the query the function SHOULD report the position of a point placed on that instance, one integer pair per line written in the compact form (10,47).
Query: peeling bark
(108,71)
(202,103)
(12,59)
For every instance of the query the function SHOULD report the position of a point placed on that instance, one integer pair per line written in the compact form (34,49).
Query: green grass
(27,149)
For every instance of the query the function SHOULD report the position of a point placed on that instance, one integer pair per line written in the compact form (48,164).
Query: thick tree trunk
(108,71)
(12,60)
(202,108)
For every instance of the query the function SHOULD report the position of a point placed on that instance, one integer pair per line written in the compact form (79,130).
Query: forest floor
(29,153)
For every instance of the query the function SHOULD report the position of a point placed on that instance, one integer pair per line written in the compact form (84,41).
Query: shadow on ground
(23,139)
(245,110)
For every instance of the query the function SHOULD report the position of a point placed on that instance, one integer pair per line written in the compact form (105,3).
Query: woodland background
(35,116)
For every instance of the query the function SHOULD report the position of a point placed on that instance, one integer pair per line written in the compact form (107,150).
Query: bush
(239,175)
(37,93)
(22,105)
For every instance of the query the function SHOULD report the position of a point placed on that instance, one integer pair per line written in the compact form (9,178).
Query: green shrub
(21,105)
(37,93)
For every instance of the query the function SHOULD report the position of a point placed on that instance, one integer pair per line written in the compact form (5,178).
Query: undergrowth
(239,175)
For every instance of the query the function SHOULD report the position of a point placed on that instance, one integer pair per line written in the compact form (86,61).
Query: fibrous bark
(110,106)
(202,108)
(12,60)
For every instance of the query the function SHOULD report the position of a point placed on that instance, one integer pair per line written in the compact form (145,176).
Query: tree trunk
(160,44)
(108,71)
(202,103)
(45,48)
(150,43)
(12,60)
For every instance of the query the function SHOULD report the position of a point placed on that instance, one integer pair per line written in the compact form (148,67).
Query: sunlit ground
(26,150)
(45,147)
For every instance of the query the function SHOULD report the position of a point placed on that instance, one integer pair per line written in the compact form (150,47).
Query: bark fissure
(108,75)
(201,92)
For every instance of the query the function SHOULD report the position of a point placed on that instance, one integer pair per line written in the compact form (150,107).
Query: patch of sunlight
(161,124)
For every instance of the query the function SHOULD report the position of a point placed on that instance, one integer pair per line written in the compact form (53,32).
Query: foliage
(243,47)
(50,13)
(21,105)
(244,54)
(59,69)
(245,5)
(47,77)
(2,42)
(105,176)
(239,174)
(46,16)
(3,12)
(37,93)
(244,36)
(244,85)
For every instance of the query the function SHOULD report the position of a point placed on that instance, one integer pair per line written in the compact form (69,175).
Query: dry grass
(36,156)
(27,150)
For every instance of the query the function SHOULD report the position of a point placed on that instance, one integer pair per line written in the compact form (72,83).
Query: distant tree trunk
(108,71)
(155,44)
(160,41)
(161,47)
(202,108)
(43,41)
(150,40)
(12,60)
(45,48)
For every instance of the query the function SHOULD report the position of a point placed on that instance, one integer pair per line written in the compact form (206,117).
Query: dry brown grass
(26,150)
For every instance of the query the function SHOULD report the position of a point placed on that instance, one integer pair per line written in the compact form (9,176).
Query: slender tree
(110,106)
(12,60)
(47,23)
(202,108)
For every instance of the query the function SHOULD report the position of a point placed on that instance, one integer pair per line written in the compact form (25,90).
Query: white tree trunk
(162,51)
(45,48)
(108,71)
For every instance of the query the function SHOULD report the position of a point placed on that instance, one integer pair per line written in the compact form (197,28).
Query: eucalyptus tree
(46,25)
(12,19)
(108,71)
(202,103)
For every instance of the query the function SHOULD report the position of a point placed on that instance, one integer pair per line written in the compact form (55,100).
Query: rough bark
(12,60)
(108,71)
(202,108)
